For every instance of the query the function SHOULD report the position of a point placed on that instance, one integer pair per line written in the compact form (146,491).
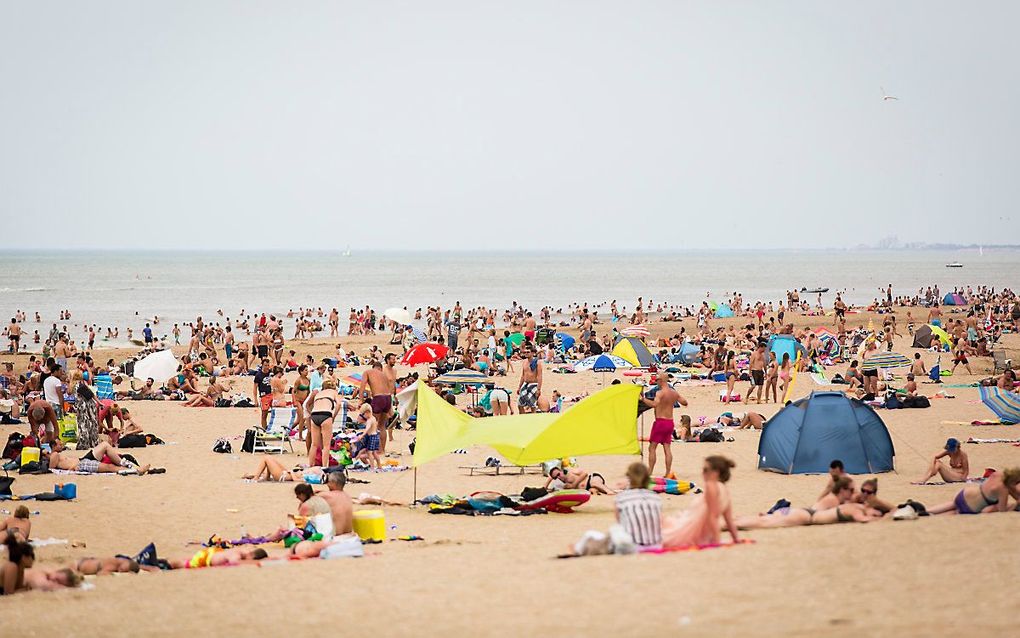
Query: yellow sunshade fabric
(626,352)
(604,423)
(942,335)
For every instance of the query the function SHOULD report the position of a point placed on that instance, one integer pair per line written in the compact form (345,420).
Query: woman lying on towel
(992,495)
(270,469)
(700,523)
(577,479)
(824,512)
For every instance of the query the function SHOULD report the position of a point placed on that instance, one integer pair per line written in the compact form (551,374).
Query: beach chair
(1000,362)
(501,470)
(279,424)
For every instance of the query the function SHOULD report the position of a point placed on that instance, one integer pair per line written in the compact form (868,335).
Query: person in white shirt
(53,391)
(639,509)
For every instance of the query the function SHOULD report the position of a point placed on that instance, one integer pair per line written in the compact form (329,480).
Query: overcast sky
(507,124)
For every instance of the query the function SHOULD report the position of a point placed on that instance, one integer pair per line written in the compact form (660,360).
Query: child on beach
(370,452)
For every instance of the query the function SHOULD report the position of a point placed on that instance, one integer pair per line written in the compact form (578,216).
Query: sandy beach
(499,575)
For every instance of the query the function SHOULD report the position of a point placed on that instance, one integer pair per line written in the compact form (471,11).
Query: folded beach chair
(1000,361)
(278,426)
(501,470)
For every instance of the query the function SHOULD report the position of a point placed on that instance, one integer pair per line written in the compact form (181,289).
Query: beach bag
(249,441)
(68,425)
(132,440)
(533,493)
(5,485)
(222,403)
(916,402)
(892,402)
(222,446)
(711,435)
(15,442)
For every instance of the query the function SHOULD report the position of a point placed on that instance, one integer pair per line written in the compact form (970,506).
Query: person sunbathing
(577,479)
(868,495)
(959,464)
(842,492)
(270,469)
(18,524)
(218,557)
(982,498)
(752,421)
(207,400)
(93,461)
(41,579)
(711,511)
(92,566)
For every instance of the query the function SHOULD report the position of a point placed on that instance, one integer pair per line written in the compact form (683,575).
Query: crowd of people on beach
(352,418)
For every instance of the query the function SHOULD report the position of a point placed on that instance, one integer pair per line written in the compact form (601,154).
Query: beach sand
(498,575)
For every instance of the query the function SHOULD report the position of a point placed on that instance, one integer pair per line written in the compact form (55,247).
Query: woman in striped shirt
(639,509)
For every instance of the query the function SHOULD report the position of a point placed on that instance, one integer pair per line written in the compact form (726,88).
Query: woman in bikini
(300,392)
(842,492)
(270,469)
(325,406)
(784,374)
(982,498)
(279,387)
(772,378)
(731,374)
(959,464)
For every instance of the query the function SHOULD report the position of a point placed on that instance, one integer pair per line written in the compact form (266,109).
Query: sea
(126,289)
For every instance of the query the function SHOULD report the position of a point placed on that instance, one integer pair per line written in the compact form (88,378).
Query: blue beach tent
(805,436)
(784,344)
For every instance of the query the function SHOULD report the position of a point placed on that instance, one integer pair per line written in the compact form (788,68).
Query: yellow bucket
(29,454)
(370,525)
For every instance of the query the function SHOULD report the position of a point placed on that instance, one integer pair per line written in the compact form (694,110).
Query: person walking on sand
(530,387)
(756,365)
(662,429)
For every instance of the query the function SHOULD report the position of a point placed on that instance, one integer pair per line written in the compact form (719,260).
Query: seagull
(886,96)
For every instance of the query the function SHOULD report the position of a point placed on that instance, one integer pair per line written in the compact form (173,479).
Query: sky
(513,125)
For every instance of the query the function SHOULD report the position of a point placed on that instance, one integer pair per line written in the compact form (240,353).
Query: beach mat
(1013,441)
(694,548)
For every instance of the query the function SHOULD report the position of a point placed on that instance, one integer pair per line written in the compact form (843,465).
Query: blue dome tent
(806,435)
(954,299)
(784,344)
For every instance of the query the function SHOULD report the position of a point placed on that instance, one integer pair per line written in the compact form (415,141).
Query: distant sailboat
(347,251)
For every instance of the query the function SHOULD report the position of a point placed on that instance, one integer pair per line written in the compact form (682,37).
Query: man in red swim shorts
(662,430)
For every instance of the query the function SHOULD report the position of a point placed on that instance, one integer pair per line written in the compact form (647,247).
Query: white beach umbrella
(158,366)
(400,315)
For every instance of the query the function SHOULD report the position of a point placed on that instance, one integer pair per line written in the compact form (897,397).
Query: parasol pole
(641,445)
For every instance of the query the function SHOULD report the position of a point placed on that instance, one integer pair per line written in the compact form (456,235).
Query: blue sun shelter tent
(784,344)
(723,311)
(689,353)
(805,436)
